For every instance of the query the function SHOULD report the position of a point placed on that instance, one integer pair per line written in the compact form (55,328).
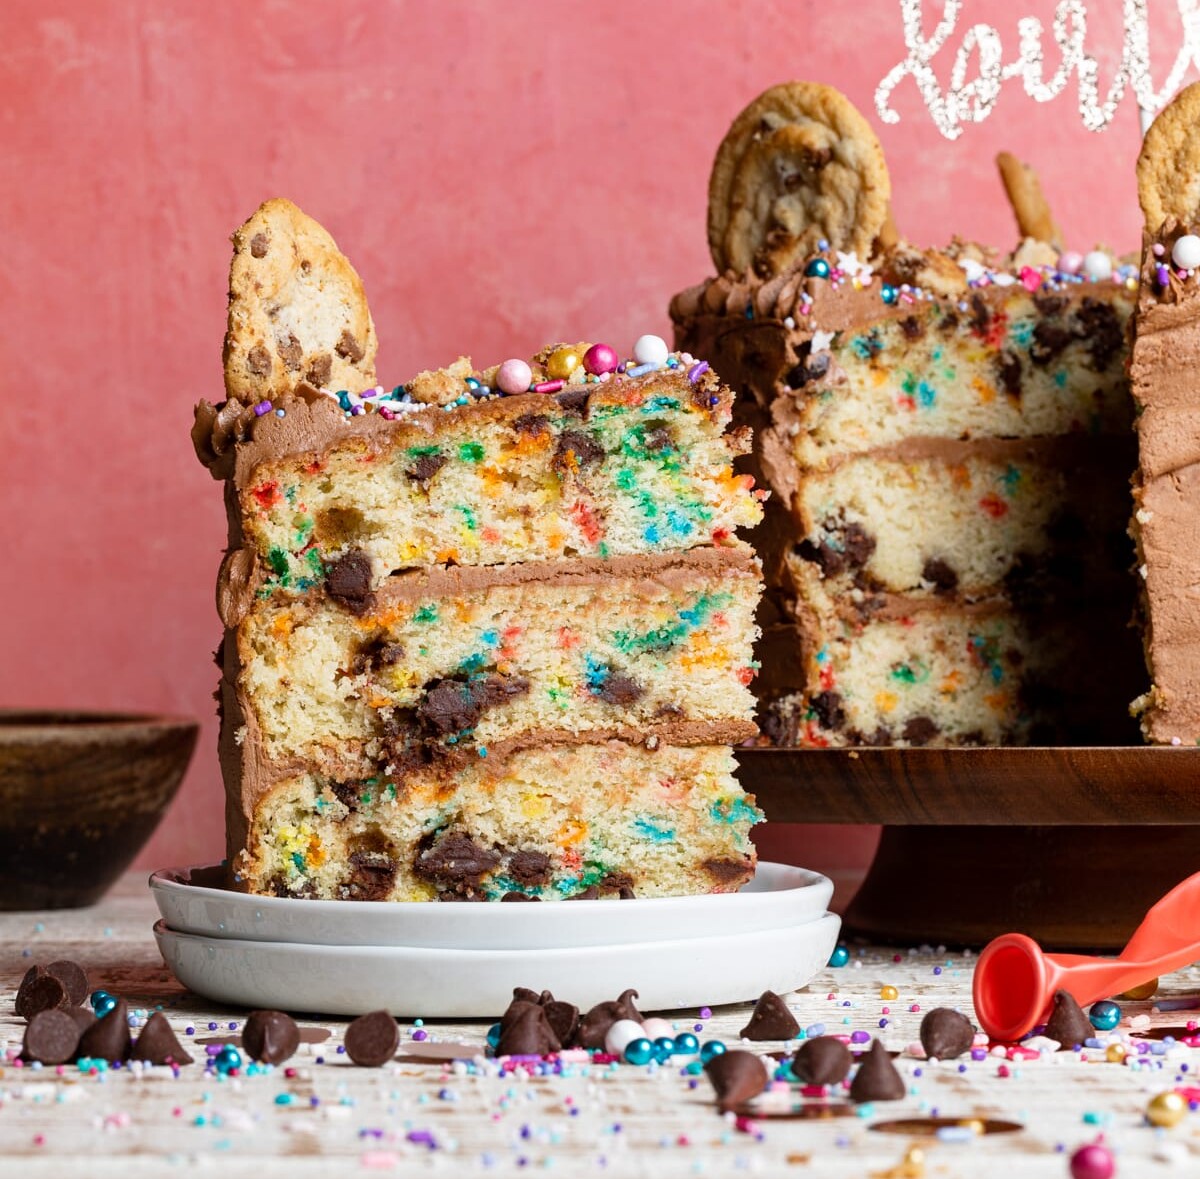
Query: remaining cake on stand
(489,634)
(945,433)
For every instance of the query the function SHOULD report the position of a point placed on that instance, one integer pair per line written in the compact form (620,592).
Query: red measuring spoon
(1015,982)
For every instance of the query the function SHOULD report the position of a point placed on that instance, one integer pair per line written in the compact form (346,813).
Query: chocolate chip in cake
(258,245)
(575,400)
(349,348)
(940,574)
(531,423)
(1049,304)
(808,368)
(1008,367)
(593,1027)
(619,689)
(658,438)
(1049,340)
(73,977)
(726,872)
(158,1044)
(426,466)
(518,896)
(452,706)
(40,991)
(919,730)
(108,1038)
(52,1037)
(770,1020)
(455,858)
(529,867)
(828,710)
(576,449)
(591,893)
(980,316)
(290,352)
(1097,322)
(372,1039)
(619,882)
(270,1036)
(877,1078)
(912,327)
(946,1034)
(348,581)
(737,1077)
(258,361)
(320,369)
(823,1060)
(1067,1023)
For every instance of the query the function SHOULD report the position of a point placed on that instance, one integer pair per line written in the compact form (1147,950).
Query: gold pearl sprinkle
(1166,1109)
(889,993)
(1141,991)
(1115,1054)
(562,363)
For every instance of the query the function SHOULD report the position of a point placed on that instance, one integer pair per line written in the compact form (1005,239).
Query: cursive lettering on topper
(979,71)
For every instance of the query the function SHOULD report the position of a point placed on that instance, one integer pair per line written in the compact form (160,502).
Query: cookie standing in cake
(489,634)
(944,546)
(1166,389)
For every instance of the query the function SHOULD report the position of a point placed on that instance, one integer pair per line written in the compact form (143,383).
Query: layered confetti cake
(488,634)
(946,435)
(1166,389)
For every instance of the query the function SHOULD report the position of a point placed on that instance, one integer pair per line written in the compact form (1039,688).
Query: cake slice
(944,548)
(488,635)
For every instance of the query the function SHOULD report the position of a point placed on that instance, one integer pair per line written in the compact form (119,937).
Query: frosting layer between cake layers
(944,549)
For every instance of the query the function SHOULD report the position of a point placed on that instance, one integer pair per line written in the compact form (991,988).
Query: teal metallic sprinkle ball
(817,268)
(839,957)
(639,1051)
(888,293)
(102,1002)
(686,1044)
(710,1049)
(228,1059)
(1104,1015)
(664,1049)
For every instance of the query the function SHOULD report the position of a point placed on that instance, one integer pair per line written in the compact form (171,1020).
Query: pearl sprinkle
(654,350)
(1185,253)
(514,376)
(1097,265)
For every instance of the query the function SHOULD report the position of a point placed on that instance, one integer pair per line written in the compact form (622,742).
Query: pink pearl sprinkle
(600,359)
(915,1007)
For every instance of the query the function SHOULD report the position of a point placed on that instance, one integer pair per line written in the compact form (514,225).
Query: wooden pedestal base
(1069,888)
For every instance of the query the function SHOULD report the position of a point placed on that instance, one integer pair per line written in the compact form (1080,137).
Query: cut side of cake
(945,435)
(489,635)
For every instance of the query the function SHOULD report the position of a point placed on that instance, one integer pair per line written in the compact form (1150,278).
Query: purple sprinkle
(548,387)
(697,370)
(421,1138)
(706,1013)
(341,1049)
(859,1037)
(320,1060)
(1163,275)
(189,1030)
(883,1023)
(962,1068)
(979,1054)
(937,970)
(420,1034)
(262,407)
(697,1027)
(917,1072)
(233,1026)
(212,1027)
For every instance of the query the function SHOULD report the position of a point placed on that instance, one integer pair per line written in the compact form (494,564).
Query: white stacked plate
(462,960)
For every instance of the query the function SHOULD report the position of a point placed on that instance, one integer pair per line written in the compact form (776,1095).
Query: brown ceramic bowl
(80,793)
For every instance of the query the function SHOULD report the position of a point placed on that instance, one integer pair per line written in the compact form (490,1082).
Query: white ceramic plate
(192,901)
(448,984)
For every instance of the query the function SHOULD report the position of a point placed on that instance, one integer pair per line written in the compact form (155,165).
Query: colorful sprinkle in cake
(945,434)
(1166,390)
(489,633)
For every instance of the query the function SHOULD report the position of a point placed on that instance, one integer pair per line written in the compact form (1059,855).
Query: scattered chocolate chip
(770,1020)
(946,1034)
(529,867)
(877,1078)
(1067,1023)
(372,1039)
(525,995)
(258,245)
(562,1017)
(525,1031)
(108,1038)
(823,1060)
(518,896)
(593,1027)
(40,991)
(348,580)
(349,348)
(51,1037)
(940,574)
(158,1044)
(455,858)
(737,1077)
(290,352)
(258,361)
(73,977)
(320,369)
(619,689)
(919,730)
(426,466)
(827,707)
(84,1017)
(270,1036)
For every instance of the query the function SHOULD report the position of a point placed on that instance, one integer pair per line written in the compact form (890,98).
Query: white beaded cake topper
(971,101)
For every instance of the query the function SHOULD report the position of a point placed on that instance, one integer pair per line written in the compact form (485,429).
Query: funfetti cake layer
(604,820)
(941,438)
(489,634)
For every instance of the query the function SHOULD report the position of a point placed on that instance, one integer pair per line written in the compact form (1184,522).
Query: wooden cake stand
(1070,845)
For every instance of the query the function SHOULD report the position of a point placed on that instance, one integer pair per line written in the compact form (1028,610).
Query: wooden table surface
(334,1118)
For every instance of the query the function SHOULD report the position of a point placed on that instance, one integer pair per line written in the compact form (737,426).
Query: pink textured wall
(502,174)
